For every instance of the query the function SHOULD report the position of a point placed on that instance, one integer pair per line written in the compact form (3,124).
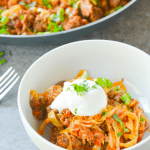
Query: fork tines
(7,81)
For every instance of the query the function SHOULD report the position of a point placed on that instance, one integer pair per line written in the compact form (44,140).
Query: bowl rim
(25,122)
(74,29)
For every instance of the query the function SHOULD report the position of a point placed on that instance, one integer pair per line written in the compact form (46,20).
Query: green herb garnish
(47,4)
(60,14)
(68,89)
(142,119)
(1,54)
(94,87)
(61,28)
(118,120)
(119,7)
(54,17)
(118,134)
(106,143)
(4,20)
(126,130)
(118,88)
(4,31)
(75,5)
(126,98)
(22,17)
(81,88)
(94,2)
(10,53)
(85,81)
(104,113)
(104,82)
(75,110)
(2,61)
(129,109)
(53,27)
(1,11)
(35,31)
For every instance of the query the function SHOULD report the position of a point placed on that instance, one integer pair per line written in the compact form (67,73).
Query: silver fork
(7,81)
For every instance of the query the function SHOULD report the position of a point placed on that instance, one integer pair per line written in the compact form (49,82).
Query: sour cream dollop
(87,103)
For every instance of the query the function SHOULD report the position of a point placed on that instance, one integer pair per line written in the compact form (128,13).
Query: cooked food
(30,17)
(90,114)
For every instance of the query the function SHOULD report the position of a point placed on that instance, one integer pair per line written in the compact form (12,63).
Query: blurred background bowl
(68,35)
(101,58)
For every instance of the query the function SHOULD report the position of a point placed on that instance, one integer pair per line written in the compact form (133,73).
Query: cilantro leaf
(126,98)
(118,120)
(94,87)
(104,82)
(104,113)
(118,134)
(2,61)
(1,54)
(45,2)
(142,119)
(126,130)
(21,17)
(118,88)
(82,87)
(1,11)
(75,111)
(75,5)
(106,143)
(129,109)
(4,20)
(119,7)
(60,14)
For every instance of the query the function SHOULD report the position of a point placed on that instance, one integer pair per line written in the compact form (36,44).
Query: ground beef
(90,11)
(117,97)
(111,94)
(54,133)
(114,3)
(62,141)
(3,2)
(12,2)
(76,143)
(74,22)
(61,83)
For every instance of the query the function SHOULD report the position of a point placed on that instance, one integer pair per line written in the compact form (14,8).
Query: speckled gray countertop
(132,28)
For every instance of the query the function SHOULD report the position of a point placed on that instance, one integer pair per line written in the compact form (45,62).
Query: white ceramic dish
(100,58)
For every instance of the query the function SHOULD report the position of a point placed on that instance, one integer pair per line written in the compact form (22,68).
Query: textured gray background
(132,28)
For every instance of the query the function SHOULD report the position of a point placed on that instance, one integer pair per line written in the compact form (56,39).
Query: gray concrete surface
(132,28)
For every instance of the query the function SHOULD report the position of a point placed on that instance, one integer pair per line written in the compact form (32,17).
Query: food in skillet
(90,114)
(30,17)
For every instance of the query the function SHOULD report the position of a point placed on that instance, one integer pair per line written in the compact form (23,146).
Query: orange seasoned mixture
(31,17)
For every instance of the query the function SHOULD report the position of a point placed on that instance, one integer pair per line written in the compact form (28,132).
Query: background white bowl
(101,58)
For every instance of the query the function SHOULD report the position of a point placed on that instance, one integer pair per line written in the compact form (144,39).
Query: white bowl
(101,58)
